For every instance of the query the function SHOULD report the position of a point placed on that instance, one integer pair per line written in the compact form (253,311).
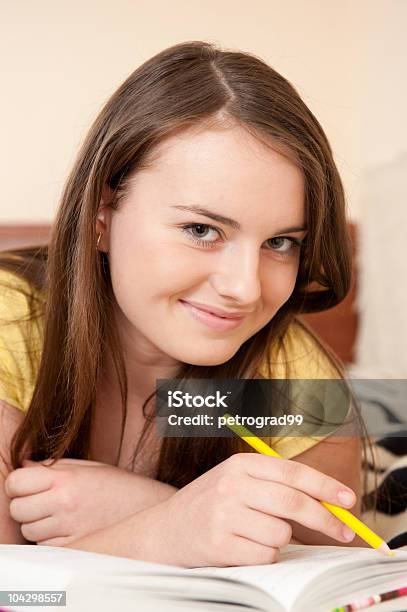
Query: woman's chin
(209,360)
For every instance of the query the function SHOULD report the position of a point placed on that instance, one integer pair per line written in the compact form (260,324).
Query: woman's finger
(285,502)
(27,481)
(30,462)
(297,475)
(62,541)
(245,552)
(31,507)
(262,528)
(42,530)
(76,462)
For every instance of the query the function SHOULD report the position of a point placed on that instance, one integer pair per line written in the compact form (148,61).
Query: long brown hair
(193,84)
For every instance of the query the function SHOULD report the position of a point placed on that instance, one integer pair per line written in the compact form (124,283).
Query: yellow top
(20,342)
(21,339)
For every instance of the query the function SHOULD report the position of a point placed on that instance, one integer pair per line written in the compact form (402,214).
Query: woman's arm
(140,492)
(234,529)
(138,536)
(10,419)
(74,497)
(58,504)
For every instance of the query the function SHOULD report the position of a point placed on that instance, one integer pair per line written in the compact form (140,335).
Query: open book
(306,578)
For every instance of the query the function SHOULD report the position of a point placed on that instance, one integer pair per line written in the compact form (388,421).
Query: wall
(60,61)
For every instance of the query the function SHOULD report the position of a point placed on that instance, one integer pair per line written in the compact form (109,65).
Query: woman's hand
(63,502)
(235,513)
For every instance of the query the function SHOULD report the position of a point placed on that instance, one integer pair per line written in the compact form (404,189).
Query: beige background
(61,60)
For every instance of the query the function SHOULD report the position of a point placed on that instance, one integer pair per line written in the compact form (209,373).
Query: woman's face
(248,266)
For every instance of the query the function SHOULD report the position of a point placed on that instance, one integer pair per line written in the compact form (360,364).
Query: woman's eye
(201,232)
(197,232)
(292,244)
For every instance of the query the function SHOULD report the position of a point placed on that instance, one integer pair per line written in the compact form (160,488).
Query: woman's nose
(238,276)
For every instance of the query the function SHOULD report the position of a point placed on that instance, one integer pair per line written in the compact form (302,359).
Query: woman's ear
(103,221)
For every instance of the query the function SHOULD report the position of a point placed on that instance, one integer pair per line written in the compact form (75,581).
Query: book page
(120,579)
(29,567)
(298,566)
(26,566)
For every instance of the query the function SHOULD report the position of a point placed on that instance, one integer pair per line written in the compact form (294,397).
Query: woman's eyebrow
(200,210)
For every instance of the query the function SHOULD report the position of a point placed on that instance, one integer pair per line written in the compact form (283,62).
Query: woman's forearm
(138,536)
(132,535)
(147,492)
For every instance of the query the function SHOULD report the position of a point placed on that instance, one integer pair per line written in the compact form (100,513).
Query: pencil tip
(383,548)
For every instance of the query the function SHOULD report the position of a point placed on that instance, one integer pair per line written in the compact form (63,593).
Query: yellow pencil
(344,515)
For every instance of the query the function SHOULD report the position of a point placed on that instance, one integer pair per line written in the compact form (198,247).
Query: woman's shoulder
(301,354)
(21,334)
(13,294)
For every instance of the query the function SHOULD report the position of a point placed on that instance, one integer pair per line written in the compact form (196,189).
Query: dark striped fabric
(390,520)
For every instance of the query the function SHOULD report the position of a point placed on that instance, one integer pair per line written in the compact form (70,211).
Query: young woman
(205,184)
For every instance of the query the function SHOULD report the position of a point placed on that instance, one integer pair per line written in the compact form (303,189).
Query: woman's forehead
(216,165)
(192,145)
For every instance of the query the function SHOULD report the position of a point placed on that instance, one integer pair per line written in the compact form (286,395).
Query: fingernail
(347,533)
(346,498)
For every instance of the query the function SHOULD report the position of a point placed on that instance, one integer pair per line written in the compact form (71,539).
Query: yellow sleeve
(307,361)
(20,342)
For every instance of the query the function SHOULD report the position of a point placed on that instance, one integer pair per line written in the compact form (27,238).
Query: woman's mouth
(211,320)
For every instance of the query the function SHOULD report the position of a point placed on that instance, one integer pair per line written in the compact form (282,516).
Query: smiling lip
(212,320)
(217,311)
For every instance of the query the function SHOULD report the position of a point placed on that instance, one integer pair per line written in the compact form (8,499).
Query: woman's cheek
(278,287)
